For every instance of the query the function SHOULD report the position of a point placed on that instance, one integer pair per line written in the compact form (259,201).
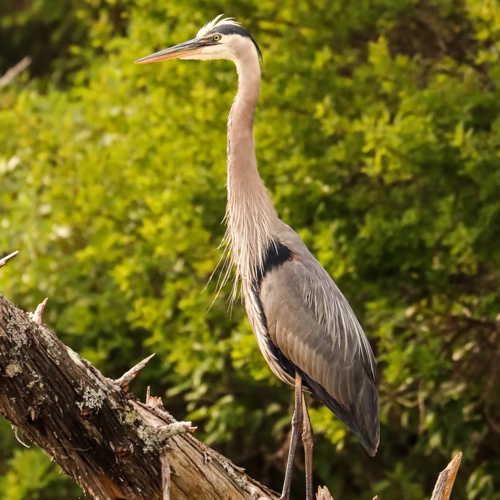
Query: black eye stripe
(233,29)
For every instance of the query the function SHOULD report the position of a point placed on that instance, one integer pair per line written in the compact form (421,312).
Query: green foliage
(378,134)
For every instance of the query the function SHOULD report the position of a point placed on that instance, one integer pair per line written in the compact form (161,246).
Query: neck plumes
(251,217)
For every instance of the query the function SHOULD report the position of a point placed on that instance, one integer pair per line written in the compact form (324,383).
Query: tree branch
(15,71)
(7,258)
(446,479)
(110,443)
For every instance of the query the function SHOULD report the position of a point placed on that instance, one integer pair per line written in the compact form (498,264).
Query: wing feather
(312,324)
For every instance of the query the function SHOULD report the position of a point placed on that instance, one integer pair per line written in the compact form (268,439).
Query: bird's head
(218,39)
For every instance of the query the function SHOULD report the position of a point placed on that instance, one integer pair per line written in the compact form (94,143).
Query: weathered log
(110,443)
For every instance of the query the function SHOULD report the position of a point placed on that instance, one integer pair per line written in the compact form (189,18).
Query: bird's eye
(216,38)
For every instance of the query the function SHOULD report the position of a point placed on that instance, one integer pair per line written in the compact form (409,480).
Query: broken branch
(14,71)
(446,479)
(127,377)
(6,259)
(36,317)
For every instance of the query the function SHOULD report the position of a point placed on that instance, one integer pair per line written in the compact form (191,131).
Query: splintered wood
(446,479)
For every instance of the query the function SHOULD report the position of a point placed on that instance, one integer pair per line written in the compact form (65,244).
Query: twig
(444,484)
(421,406)
(175,429)
(36,317)
(126,378)
(6,259)
(14,71)
(18,439)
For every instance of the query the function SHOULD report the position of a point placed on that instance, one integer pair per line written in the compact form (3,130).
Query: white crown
(218,21)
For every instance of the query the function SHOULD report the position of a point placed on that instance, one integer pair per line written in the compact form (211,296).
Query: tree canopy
(378,136)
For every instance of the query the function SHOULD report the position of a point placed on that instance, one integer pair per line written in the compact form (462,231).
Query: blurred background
(378,135)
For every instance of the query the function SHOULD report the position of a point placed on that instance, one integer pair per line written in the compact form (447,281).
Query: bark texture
(114,446)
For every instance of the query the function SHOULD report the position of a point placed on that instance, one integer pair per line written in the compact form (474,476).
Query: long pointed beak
(184,49)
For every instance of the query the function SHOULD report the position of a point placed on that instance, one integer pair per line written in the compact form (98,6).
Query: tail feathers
(362,418)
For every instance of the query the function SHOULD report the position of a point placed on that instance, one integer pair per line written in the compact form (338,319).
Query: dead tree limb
(110,443)
(15,71)
(6,259)
(446,479)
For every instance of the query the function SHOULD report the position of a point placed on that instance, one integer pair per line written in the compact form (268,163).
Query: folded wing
(312,325)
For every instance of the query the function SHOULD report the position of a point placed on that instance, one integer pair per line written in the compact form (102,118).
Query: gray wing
(312,325)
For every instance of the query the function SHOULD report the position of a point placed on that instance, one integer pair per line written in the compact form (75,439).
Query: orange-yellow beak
(184,49)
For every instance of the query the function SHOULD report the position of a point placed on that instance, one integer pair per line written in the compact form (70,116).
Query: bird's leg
(307,439)
(297,421)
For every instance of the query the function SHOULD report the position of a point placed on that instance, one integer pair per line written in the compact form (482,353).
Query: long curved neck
(251,217)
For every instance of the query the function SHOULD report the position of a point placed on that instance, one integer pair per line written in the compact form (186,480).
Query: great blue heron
(304,326)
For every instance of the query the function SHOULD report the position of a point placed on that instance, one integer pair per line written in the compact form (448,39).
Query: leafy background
(378,134)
